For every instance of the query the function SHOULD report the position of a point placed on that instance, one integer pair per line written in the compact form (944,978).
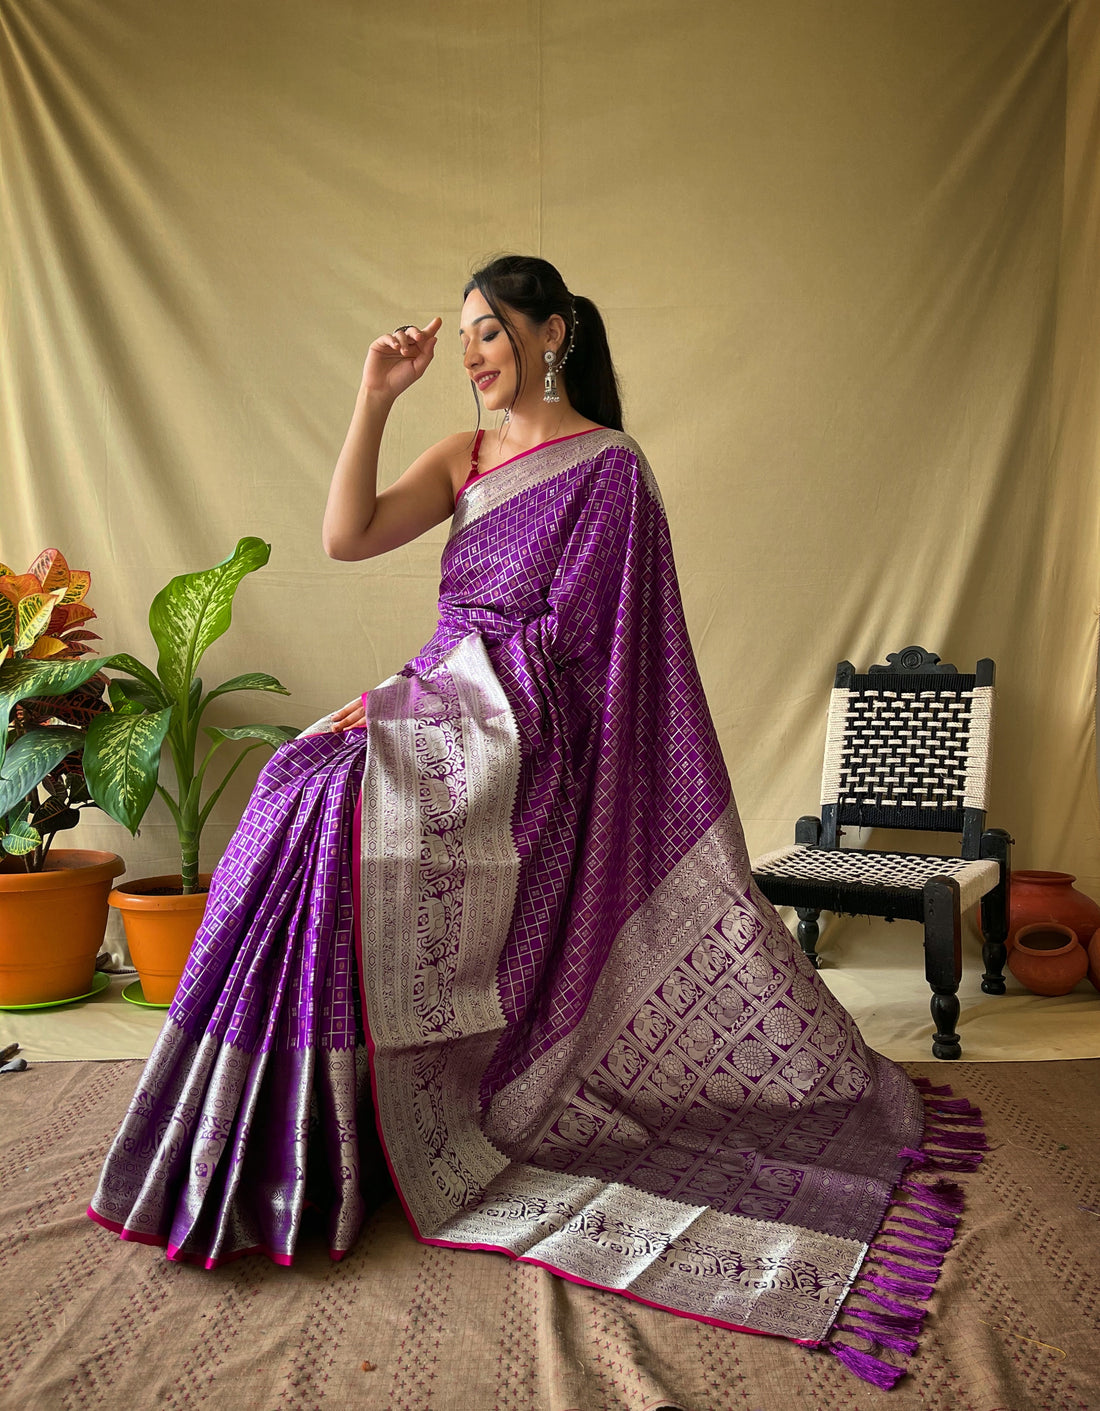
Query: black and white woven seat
(907,746)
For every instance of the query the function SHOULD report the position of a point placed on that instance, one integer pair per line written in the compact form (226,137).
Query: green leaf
(20,679)
(122,761)
(128,697)
(31,758)
(274,735)
(249,681)
(137,693)
(21,839)
(123,661)
(195,609)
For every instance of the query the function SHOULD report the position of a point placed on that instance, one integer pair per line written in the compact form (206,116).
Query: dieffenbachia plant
(154,709)
(50,691)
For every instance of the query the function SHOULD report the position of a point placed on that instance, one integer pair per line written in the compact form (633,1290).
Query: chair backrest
(908,746)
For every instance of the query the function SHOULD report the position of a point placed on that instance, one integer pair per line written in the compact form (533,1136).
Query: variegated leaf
(9,621)
(33,616)
(45,648)
(80,580)
(121,703)
(53,815)
(137,693)
(123,661)
(31,758)
(122,760)
(20,679)
(80,706)
(195,609)
(18,585)
(66,615)
(249,681)
(21,838)
(51,570)
(274,735)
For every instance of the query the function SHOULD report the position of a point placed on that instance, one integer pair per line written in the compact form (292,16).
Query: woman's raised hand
(396,360)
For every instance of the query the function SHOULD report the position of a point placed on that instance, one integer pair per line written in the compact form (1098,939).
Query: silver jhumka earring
(550,382)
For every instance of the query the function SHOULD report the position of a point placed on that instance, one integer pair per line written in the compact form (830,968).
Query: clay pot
(160,930)
(1094,959)
(1048,959)
(1050,896)
(52,924)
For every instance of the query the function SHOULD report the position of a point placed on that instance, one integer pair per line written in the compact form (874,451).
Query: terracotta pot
(52,924)
(160,930)
(1094,959)
(1050,896)
(1048,959)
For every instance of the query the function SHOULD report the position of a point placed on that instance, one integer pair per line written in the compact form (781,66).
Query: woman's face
(487,353)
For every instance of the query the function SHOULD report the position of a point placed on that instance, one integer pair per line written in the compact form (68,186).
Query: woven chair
(907,746)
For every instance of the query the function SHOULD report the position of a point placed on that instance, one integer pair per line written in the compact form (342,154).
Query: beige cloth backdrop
(847,256)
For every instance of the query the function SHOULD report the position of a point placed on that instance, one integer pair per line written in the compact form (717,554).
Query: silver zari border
(516,477)
(427,1069)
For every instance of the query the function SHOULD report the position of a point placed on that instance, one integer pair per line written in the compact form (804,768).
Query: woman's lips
(486,380)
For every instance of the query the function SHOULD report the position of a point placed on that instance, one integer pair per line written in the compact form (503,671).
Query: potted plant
(53,901)
(160,711)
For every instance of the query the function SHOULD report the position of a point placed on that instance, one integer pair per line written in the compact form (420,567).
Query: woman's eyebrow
(480,319)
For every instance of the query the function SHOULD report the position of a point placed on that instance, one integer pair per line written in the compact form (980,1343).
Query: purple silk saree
(522,894)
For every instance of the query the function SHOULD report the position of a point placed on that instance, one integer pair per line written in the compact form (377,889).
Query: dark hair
(534,288)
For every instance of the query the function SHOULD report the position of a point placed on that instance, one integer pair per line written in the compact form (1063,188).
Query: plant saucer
(136,995)
(100,981)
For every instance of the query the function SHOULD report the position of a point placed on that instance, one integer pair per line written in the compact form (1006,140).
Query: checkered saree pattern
(595,1045)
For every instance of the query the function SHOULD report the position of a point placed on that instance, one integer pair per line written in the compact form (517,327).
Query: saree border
(527,471)
(438,871)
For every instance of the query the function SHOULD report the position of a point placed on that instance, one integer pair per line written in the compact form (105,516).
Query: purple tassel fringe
(867,1368)
(930,1209)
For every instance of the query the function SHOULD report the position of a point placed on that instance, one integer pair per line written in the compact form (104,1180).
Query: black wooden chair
(907,746)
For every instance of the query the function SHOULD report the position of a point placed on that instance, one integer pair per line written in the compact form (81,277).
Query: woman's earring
(550,382)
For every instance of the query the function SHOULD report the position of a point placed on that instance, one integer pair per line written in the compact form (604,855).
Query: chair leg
(943,961)
(996,843)
(808,932)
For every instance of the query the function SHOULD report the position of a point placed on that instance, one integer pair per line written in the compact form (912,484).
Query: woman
(515,869)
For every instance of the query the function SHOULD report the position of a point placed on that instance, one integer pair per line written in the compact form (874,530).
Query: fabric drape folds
(592,1044)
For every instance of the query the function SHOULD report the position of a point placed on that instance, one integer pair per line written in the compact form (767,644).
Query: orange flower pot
(160,930)
(52,924)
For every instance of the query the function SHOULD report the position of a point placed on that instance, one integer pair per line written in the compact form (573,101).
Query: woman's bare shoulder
(454,452)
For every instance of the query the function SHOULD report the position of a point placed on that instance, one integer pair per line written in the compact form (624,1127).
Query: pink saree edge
(607,1288)
(490,1248)
(884,1325)
(177,1256)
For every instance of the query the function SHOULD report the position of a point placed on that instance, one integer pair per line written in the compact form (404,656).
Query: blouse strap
(475,451)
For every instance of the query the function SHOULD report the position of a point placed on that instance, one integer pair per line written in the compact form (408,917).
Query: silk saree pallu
(522,891)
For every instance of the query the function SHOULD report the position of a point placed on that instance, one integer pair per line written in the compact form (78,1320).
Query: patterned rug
(88,1321)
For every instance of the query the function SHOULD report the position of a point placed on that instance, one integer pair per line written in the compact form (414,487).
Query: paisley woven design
(593,1045)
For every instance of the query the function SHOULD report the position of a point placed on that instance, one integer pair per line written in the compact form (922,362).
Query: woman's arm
(359,523)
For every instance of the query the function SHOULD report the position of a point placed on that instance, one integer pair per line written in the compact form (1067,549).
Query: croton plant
(65,739)
(49,695)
